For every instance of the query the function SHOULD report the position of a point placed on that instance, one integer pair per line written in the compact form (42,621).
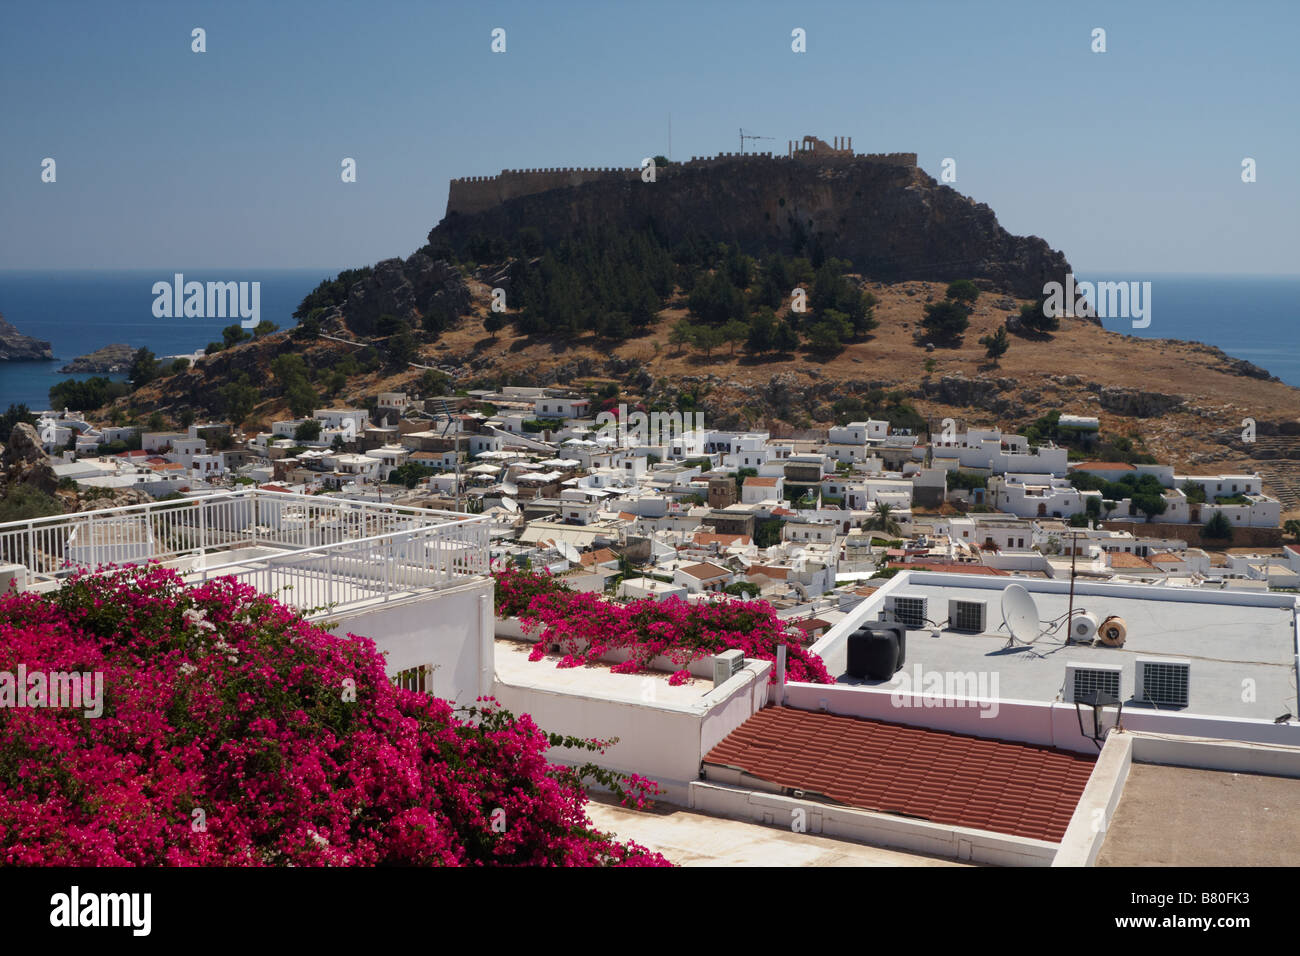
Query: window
(418,679)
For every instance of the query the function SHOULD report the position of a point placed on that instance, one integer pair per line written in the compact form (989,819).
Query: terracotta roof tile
(947,778)
(726,540)
(705,571)
(600,556)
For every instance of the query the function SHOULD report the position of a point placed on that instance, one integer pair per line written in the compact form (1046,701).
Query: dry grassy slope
(1216,400)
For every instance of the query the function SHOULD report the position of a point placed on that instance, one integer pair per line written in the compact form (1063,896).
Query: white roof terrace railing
(330,550)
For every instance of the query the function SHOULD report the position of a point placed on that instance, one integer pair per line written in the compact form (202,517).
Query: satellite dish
(1020,614)
(510,505)
(508,482)
(569,551)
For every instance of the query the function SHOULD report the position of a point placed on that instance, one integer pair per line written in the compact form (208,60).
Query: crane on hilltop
(744,136)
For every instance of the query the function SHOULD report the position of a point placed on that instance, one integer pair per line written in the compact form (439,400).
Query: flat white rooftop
(1242,647)
(594,680)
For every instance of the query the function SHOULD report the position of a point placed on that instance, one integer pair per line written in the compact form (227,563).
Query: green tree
(186,417)
(1218,528)
(883,520)
(433,382)
(308,430)
(265,327)
(402,348)
(945,322)
(707,338)
(682,334)
(302,399)
(1037,318)
(308,327)
(1195,493)
(240,399)
(762,331)
(156,422)
(144,368)
(494,323)
(22,502)
(289,367)
(963,290)
(734,332)
(1292,527)
(785,339)
(232,335)
(1150,504)
(996,344)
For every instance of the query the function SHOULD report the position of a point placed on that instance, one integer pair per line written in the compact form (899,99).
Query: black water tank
(877,650)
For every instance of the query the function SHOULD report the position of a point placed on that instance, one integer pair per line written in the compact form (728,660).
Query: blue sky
(1127,160)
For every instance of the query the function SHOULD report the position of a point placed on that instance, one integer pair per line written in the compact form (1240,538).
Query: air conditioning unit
(727,665)
(969,616)
(1163,681)
(1082,680)
(905,609)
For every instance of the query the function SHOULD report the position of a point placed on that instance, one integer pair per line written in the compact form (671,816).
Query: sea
(79,312)
(1256,318)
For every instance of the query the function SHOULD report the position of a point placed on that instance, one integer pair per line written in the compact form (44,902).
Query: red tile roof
(726,540)
(1102,466)
(953,779)
(600,556)
(705,571)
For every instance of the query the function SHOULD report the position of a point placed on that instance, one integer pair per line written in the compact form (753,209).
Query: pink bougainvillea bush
(235,733)
(586,626)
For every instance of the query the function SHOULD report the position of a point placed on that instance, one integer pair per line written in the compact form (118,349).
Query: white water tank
(1083,627)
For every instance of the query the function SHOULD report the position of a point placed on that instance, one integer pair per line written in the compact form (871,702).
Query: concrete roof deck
(1178,816)
(695,839)
(1226,643)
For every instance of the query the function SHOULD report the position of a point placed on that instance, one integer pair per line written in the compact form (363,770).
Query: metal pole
(1074,554)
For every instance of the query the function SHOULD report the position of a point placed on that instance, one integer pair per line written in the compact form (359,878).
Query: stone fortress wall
(473,194)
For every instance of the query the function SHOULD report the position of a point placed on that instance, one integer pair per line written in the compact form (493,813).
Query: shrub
(587,626)
(292,742)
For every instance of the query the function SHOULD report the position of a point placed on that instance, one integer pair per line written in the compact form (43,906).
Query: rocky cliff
(16,347)
(892,222)
(111,358)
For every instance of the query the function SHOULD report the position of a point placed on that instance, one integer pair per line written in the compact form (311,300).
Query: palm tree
(884,520)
